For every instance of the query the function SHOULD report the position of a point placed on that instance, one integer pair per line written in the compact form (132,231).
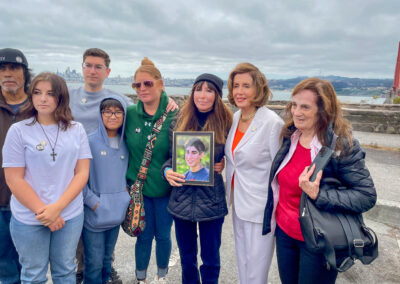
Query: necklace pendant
(53,154)
(39,147)
(83,100)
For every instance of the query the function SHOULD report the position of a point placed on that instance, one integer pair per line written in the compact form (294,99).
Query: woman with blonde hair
(314,119)
(200,207)
(140,121)
(251,146)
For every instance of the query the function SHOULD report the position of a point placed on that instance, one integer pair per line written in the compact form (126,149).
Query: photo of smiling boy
(194,152)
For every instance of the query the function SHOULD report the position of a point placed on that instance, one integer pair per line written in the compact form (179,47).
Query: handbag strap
(148,152)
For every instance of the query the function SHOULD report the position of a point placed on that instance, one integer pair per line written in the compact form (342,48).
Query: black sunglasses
(147,84)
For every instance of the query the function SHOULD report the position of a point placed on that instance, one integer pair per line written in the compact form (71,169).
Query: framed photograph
(193,156)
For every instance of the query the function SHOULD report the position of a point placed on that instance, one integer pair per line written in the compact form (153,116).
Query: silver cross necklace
(53,154)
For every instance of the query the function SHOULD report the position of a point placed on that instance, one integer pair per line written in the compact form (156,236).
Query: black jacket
(198,203)
(7,118)
(355,191)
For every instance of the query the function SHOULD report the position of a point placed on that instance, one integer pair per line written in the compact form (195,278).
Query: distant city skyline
(285,39)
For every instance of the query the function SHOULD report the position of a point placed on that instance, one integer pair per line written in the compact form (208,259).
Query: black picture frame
(206,158)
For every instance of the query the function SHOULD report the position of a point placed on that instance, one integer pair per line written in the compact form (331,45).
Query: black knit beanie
(215,80)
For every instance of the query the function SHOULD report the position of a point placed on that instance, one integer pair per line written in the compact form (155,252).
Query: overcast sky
(284,38)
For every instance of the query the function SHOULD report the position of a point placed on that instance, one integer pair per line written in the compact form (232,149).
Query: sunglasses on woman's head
(147,84)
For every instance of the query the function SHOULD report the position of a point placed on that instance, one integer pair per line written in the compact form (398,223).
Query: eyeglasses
(147,84)
(97,67)
(109,113)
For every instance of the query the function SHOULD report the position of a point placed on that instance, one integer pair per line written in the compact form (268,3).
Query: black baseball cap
(11,55)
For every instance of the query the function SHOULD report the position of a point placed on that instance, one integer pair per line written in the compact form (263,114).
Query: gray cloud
(184,38)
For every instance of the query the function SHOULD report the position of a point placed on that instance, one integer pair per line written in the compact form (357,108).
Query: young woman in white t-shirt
(46,165)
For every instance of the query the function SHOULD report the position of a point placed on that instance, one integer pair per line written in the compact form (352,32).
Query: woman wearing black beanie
(195,206)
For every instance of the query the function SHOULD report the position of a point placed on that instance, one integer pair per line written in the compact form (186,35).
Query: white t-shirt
(23,147)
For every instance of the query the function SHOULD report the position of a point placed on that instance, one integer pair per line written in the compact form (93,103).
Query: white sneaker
(136,281)
(162,280)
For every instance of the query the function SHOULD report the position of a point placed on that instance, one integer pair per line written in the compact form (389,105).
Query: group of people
(68,157)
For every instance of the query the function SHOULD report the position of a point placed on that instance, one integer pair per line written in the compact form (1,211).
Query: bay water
(277,95)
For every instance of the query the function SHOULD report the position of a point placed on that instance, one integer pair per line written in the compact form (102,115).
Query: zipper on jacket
(194,192)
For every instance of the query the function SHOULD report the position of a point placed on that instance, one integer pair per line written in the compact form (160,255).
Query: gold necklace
(247,118)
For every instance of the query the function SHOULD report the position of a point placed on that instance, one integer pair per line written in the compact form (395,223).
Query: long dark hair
(219,120)
(62,114)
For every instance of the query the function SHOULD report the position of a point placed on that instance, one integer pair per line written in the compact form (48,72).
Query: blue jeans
(210,242)
(99,247)
(297,264)
(37,246)
(158,225)
(10,268)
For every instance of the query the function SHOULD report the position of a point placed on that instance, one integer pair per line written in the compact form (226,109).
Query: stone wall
(384,118)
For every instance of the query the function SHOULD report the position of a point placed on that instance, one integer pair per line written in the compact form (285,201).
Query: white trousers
(253,251)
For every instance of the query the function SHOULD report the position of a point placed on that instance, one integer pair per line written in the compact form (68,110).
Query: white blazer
(251,163)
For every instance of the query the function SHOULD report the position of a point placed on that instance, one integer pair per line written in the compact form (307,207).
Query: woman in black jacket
(314,120)
(202,206)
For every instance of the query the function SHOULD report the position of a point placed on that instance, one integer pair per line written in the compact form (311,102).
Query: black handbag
(329,232)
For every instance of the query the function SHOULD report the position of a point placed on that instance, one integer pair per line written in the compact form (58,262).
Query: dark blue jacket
(355,193)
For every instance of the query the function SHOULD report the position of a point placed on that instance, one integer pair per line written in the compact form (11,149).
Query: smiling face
(193,158)
(11,78)
(112,117)
(304,111)
(44,99)
(94,72)
(204,97)
(148,94)
(243,91)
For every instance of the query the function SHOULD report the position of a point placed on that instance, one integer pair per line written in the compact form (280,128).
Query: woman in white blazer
(250,148)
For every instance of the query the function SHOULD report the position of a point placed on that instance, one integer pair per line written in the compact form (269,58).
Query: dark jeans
(10,268)
(99,247)
(210,242)
(158,226)
(297,265)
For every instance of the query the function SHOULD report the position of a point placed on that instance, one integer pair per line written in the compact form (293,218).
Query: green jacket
(138,127)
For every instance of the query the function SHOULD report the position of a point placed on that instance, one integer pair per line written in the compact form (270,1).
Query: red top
(287,210)
(236,139)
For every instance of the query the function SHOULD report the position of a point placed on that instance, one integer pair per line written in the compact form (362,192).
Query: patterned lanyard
(148,151)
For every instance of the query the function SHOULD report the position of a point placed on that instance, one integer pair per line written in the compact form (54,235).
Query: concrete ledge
(386,212)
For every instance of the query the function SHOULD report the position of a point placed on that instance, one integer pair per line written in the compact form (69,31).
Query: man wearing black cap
(14,81)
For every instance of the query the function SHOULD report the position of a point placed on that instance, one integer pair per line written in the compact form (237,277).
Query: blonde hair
(263,93)
(148,66)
